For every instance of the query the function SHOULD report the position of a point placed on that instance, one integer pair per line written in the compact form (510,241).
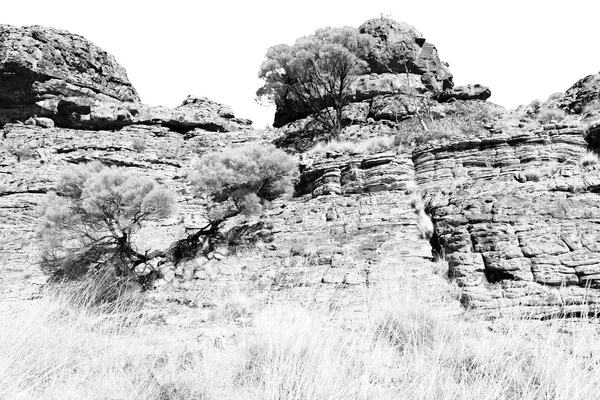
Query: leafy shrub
(550,115)
(139,145)
(91,220)
(243,179)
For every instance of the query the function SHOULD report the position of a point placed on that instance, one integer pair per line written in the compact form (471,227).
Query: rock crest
(51,73)
(406,73)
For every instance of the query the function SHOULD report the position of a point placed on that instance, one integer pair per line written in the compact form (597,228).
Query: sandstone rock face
(351,225)
(400,48)
(516,216)
(581,93)
(194,112)
(468,92)
(44,64)
(53,74)
(515,212)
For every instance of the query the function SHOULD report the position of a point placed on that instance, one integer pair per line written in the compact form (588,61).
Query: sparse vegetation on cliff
(550,115)
(461,120)
(91,221)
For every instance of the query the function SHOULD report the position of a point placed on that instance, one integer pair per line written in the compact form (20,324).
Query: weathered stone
(40,64)
(468,92)
(398,47)
(581,93)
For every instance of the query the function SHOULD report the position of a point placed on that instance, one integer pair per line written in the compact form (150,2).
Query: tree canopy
(316,73)
(242,179)
(91,219)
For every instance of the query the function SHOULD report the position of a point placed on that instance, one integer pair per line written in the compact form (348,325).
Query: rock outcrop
(581,94)
(40,66)
(515,212)
(516,215)
(400,48)
(53,74)
(406,74)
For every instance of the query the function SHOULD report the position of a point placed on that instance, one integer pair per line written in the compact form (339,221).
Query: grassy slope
(61,347)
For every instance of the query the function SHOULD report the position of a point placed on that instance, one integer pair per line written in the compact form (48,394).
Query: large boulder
(400,48)
(54,76)
(96,114)
(43,64)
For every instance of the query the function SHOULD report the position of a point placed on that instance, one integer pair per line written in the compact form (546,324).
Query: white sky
(522,50)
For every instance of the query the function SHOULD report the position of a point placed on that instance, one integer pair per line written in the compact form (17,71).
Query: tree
(91,220)
(240,180)
(316,73)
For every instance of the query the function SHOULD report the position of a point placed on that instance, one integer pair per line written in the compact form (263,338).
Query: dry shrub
(425,225)
(532,175)
(589,160)
(102,291)
(335,146)
(461,120)
(378,144)
(139,145)
(551,115)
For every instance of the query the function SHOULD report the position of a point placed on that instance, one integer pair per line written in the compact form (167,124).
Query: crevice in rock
(592,137)
(26,191)
(437,250)
(493,276)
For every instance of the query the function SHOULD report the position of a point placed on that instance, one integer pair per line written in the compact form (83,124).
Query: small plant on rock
(139,145)
(529,175)
(550,115)
(91,220)
(589,160)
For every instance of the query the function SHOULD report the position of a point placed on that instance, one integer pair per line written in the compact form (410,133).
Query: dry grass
(551,115)
(374,145)
(532,175)
(60,348)
(592,107)
(589,160)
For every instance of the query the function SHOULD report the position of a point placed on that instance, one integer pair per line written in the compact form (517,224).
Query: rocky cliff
(404,72)
(514,209)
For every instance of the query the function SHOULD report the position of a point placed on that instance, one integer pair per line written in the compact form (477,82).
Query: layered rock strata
(517,218)
(51,73)
(33,158)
